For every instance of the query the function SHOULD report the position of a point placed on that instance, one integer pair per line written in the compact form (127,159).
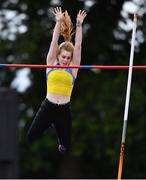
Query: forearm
(77,47)
(56,32)
(54,44)
(78,35)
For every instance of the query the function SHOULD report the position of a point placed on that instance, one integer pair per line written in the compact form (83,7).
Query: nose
(65,60)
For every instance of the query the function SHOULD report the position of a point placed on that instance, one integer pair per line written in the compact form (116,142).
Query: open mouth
(65,64)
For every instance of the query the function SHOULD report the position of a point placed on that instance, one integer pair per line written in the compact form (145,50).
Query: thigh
(41,122)
(63,123)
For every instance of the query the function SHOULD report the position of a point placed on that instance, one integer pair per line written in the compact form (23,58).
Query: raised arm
(51,57)
(78,37)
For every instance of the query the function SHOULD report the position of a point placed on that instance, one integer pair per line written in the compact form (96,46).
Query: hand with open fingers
(58,13)
(81,16)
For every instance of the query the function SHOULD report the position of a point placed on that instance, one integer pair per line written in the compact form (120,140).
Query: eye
(63,57)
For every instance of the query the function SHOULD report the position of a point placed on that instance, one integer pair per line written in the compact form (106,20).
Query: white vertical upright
(127,97)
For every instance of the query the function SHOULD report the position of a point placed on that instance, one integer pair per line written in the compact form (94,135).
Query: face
(65,57)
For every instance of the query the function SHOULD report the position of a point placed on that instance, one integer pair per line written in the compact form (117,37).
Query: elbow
(54,45)
(78,45)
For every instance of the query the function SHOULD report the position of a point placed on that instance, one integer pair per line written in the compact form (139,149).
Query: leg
(41,122)
(62,123)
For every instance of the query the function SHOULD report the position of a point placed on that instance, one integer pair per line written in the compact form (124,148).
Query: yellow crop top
(60,81)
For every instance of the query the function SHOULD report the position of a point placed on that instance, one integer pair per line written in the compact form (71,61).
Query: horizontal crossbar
(73,67)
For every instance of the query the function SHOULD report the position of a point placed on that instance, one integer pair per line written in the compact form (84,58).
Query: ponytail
(66,27)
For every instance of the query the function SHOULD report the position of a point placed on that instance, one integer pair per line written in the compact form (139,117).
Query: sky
(22,81)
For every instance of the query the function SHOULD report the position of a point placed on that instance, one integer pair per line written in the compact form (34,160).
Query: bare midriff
(58,99)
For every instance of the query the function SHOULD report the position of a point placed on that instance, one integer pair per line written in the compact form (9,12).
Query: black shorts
(52,114)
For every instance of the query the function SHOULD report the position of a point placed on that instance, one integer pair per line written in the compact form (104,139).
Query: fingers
(82,13)
(57,10)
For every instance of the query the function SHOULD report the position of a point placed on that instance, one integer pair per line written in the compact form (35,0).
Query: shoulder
(74,71)
(49,69)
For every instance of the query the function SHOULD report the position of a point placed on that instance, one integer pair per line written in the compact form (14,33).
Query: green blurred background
(98,99)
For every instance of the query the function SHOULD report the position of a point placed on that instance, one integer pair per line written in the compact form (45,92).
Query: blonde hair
(66,31)
(66,27)
(67,46)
